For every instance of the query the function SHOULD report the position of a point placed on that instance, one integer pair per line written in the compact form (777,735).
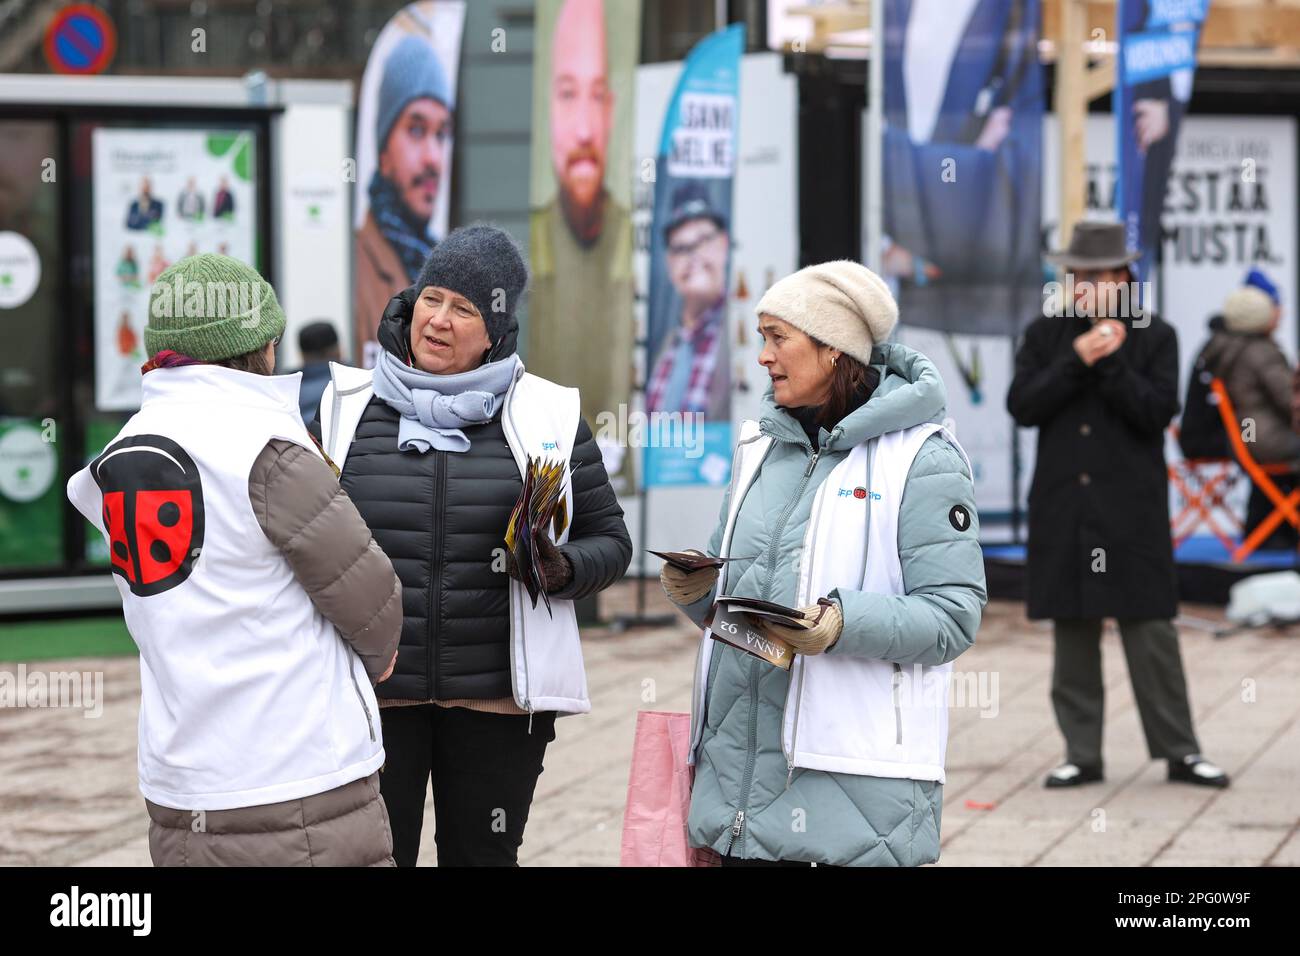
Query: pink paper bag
(659,795)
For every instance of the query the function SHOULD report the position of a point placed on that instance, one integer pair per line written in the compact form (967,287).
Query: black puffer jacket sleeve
(599,547)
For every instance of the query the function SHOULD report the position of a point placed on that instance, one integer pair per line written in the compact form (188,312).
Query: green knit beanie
(210,308)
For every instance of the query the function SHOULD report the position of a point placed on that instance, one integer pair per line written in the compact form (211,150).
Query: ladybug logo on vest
(153,511)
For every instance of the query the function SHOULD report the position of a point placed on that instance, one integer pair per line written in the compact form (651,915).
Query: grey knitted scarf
(434,408)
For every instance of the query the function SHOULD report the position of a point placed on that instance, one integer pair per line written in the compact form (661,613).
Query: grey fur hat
(482,263)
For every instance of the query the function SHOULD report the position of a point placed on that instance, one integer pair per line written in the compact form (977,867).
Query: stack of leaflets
(541,504)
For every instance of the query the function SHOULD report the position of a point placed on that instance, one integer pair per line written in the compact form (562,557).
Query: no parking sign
(80,39)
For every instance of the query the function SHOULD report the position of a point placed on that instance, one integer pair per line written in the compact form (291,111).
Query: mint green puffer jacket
(746,799)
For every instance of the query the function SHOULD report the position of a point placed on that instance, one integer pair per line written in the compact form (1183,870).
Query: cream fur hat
(841,303)
(1248,310)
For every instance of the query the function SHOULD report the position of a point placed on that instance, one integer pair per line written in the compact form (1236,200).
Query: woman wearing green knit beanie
(263,609)
(213,308)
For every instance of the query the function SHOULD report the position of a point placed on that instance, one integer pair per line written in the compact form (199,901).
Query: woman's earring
(833,358)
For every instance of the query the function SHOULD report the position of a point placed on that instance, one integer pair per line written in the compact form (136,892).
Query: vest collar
(216,384)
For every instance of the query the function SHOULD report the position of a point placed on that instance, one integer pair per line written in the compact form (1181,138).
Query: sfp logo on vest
(550,446)
(860,493)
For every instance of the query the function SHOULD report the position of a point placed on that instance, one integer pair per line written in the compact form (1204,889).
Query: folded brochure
(730,621)
(689,561)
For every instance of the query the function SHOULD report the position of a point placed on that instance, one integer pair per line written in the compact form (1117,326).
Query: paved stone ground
(68,791)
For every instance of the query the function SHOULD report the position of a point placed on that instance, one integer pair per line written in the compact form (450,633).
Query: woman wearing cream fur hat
(850,500)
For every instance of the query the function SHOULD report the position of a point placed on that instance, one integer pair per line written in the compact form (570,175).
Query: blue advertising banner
(1157,59)
(961,165)
(688,381)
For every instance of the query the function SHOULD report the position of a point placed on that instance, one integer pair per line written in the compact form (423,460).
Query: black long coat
(1099,540)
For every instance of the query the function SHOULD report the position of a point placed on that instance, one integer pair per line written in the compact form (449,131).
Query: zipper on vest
(771,568)
(812,463)
(336,406)
(352,671)
(699,694)
(737,828)
(810,555)
(785,516)
(794,732)
(898,707)
(518,615)
(436,561)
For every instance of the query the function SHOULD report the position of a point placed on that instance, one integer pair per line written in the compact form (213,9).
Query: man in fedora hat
(1098,377)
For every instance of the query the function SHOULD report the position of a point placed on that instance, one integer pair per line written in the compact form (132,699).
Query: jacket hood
(395,329)
(910,392)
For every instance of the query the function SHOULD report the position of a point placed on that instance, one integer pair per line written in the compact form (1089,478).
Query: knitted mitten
(687,587)
(812,638)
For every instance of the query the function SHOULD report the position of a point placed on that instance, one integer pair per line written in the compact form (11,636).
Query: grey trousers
(1155,668)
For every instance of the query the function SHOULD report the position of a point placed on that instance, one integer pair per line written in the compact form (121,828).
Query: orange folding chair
(1284,506)
(1203,485)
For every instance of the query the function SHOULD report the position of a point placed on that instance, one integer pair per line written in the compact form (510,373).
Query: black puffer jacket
(441,516)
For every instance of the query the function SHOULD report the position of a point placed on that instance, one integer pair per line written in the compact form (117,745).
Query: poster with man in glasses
(688,376)
(691,371)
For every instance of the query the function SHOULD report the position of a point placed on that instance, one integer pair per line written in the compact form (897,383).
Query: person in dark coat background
(1100,382)
(319,344)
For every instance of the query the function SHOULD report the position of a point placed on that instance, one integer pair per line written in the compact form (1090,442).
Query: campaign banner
(688,370)
(580,329)
(406,113)
(961,163)
(764,232)
(1153,83)
(160,195)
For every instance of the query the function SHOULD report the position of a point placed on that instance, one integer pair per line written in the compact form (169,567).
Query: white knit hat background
(1248,310)
(841,303)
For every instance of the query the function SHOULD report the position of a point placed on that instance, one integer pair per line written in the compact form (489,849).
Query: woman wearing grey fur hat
(431,445)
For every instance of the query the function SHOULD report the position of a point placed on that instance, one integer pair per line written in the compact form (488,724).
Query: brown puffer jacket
(1258,379)
(303,512)
(346,826)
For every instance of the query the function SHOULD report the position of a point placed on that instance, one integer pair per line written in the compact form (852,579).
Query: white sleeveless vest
(846,714)
(540,419)
(248,694)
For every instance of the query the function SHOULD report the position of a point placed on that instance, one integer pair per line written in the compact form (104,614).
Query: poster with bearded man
(406,113)
(580,325)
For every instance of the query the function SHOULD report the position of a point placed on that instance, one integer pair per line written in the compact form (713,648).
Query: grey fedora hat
(1095,245)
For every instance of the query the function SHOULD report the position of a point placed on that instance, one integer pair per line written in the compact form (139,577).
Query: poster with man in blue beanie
(405,118)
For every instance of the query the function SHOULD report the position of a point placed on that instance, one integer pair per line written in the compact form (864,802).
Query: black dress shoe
(1196,769)
(1071,775)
